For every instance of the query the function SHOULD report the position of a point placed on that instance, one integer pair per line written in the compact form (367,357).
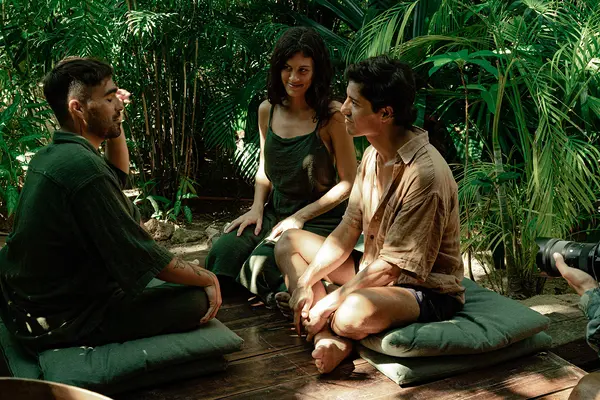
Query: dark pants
(157,310)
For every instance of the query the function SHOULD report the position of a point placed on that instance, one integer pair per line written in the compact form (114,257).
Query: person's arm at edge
(117,152)
(590,305)
(116,149)
(587,287)
(592,311)
(262,186)
(182,272)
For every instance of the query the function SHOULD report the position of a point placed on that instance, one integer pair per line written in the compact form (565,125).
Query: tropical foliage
(509,89)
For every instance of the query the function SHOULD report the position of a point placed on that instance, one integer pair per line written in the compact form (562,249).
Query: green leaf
(188,213)
(485,64)
(154,206)
(489,96)
(30,138)
(9,112)
(462,54)
(475,86)
(12,199)
(485,53)
(490,101)
(177,207)
(439,63)
(507,176)
(162,199)
(482,180)
(443,57)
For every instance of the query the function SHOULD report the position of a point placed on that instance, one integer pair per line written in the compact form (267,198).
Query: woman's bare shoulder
(335,106)
(264,107)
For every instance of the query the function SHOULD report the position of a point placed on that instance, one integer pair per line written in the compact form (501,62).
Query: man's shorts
(434,306)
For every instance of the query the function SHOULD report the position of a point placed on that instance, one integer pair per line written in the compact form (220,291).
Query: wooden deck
(276,364)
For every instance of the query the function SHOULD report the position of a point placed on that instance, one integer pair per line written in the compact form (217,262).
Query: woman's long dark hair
(308,42)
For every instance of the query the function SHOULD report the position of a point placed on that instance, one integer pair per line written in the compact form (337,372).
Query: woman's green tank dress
(301,171)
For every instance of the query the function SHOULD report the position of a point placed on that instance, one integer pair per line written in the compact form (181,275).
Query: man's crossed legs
(365,311)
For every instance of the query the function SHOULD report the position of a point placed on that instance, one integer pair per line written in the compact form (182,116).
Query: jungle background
(508,90)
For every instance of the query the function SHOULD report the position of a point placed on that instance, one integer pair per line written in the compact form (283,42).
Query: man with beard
(75,268)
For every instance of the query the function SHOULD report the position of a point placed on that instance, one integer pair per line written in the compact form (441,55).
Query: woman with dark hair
(306,170)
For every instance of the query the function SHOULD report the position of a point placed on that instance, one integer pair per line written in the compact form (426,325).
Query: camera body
(583,256)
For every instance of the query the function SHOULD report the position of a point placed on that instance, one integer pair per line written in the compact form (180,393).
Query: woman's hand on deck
(291,222)
(301,302)
(252,217)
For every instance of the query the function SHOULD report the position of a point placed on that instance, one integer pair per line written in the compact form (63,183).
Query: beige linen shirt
(414,224)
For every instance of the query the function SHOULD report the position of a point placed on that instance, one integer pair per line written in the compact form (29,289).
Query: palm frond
(384,32)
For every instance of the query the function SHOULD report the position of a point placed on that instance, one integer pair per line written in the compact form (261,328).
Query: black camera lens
(583,256)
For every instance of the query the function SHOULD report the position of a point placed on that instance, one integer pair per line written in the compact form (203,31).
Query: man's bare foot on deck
(330,350)
(282,299)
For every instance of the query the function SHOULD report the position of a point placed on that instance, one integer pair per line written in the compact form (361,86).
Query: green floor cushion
(19,363)
(487,322)
(412,370)
(117,367)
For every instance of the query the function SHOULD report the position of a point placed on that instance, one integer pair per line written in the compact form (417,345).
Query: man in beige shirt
(405,200)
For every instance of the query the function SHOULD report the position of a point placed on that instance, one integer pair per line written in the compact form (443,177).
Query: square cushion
(487,322)
(422,369)
(116,367)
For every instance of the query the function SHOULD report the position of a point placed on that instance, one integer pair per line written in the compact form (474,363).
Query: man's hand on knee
(300,303)
(186,273)
(314,324)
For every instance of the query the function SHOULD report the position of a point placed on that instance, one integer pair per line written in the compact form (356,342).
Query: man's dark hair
(308,42)
(73,74)
(385,82)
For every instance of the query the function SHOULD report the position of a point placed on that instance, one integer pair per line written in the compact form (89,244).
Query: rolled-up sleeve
(414,238)
(590,304)
(113,235)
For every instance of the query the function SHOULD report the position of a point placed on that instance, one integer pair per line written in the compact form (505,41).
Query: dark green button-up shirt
(76,245)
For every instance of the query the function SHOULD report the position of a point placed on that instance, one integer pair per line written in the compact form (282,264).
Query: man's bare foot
(282,300)
(330,350)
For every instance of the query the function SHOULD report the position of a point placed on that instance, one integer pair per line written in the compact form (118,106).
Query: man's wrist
(300,217)
(329,304)
(304,281)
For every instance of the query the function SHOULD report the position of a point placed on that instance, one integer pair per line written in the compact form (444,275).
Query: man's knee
(588,388)
(355,317)
(286,245)
(190,305)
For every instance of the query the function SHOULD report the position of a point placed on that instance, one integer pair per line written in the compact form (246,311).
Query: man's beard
(104,129)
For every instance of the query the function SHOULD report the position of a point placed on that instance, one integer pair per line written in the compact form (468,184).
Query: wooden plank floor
(276,364)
